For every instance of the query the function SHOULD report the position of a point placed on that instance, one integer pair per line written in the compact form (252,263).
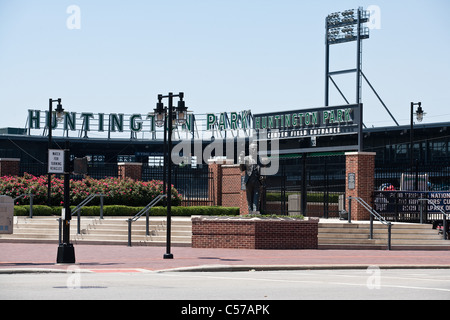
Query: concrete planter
(254,233)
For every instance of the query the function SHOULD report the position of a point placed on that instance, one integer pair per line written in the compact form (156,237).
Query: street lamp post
(165,117)
(66,251)
(59,115)
(419,116)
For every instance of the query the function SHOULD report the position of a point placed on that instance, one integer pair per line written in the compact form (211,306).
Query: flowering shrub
(117,191)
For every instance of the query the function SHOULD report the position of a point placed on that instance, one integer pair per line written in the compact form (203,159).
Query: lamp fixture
(419,112)
(59,111)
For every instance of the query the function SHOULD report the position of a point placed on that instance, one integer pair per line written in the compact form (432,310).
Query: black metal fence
(419,178)
(412,206)
(322,178)
(95,171)
(193,184)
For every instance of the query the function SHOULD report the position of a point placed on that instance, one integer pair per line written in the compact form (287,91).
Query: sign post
(60,159)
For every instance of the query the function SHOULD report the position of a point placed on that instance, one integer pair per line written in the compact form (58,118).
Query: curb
(227,268)
(250,268)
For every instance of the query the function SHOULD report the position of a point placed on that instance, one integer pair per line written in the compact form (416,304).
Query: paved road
(359,284)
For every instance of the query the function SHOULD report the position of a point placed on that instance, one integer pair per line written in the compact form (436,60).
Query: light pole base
(66,253)
(168,256)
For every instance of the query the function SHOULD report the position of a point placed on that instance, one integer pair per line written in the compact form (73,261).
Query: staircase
(355,235)
(333,234)
(111,231)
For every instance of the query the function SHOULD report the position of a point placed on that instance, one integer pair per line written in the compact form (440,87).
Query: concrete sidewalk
(23,257)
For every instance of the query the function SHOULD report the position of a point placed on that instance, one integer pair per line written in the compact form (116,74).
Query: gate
(192,183)
(320,178)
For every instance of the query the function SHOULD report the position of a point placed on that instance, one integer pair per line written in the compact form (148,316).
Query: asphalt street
(354,284)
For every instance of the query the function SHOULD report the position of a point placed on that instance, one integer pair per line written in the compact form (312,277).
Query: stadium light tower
(342,27)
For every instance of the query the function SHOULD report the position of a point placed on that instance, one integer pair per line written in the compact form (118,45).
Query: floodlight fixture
(347,26)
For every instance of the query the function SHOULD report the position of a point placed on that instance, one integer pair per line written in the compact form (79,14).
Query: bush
(117,191)
(127,211)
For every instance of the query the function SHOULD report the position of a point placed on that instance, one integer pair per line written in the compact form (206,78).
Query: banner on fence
(407,202)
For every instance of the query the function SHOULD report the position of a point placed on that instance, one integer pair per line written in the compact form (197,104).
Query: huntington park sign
(313,122)
(309,122)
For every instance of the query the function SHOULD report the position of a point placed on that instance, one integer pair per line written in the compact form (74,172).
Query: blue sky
(224,55)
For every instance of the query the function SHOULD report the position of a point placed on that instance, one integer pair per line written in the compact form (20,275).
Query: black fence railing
(399,190)
(419,178)
(95,171)
(193,184)
(35,169)
(411,206)
(321,177)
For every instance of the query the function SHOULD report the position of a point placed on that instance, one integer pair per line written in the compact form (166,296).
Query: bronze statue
(252,179)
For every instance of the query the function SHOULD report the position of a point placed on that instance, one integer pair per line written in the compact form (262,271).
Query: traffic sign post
(59,162)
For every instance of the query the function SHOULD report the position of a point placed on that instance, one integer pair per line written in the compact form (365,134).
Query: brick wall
(131,170)
(231,185)
(226,185)
(254,234)
(9,167)
(215,184)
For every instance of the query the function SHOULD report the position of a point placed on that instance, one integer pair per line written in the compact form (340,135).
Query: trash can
(294,204)
(6,215)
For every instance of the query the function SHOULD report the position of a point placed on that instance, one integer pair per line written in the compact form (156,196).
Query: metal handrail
(141,213)
(444,216)
(85,202)
(31,202)
(373,213)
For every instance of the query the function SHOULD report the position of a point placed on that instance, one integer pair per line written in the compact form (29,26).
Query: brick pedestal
(131,170)
(9,167)
(244,233)
(360,176)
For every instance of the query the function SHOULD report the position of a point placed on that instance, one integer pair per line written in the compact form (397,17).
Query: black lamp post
(166,117)
(66,252)
(59,116)
(419,116)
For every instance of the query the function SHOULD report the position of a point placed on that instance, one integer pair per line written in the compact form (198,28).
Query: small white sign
(55,161)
